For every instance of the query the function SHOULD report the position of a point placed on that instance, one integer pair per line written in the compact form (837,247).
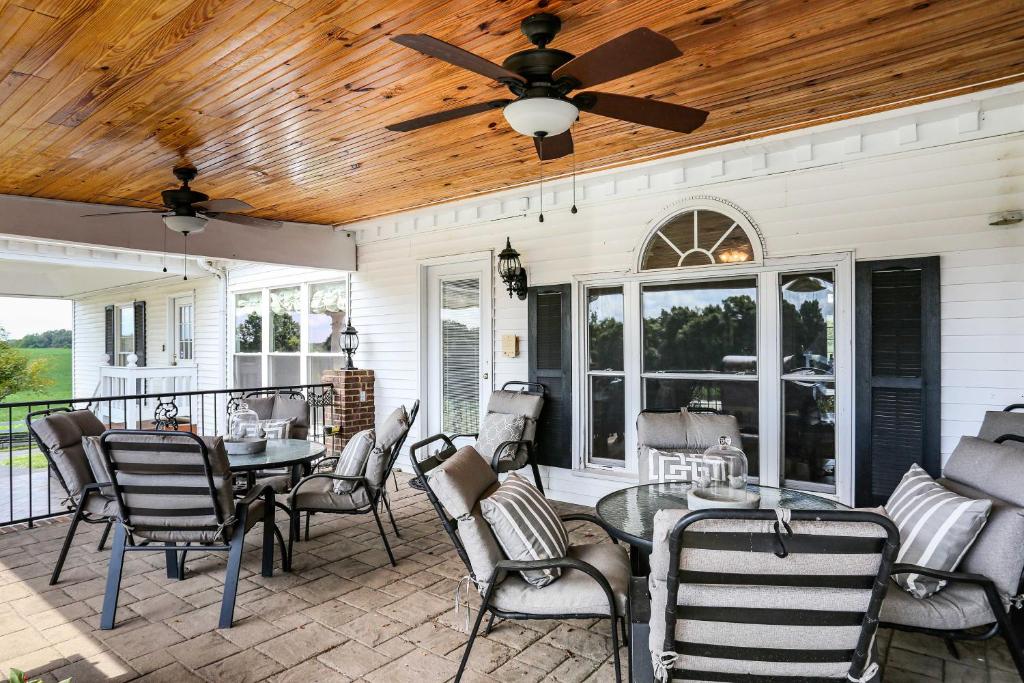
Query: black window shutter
(108,334)
(898,373)
(140,332)
(550,363)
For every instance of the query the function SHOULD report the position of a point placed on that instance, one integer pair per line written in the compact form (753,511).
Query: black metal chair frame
(80,515)
(378,495)
(1003,624)
(124,543)
(421,468)
(531,459)
(890,548)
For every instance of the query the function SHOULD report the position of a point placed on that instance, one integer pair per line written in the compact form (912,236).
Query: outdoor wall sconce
(349,343)
(511,271)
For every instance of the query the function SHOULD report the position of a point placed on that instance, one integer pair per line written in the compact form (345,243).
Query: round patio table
(629,513)
(294,453)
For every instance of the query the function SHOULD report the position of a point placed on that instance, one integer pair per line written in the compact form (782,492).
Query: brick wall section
(353,406)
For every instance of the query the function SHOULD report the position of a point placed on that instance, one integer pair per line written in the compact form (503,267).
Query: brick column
(353,408)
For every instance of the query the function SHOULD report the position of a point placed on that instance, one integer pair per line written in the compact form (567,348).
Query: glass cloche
(244,423)
(723,479)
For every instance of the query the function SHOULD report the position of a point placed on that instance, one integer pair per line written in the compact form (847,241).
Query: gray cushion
(937,527)
(575,592)
(292,407)
(263,406)
(996,469)
(352,462)
(527,404)
(254,516)
(377,467)
(958,606)
(319,494)
(461,480)
(481,547)
(496,429)
(62,434)
(391,429)
(998,552)
(999,422)
(526,526)
(692,432)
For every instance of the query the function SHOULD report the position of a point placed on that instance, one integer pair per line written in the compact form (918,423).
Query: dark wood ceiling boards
(283,103)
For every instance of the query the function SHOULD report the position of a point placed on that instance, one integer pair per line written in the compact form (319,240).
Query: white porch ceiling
(60,281)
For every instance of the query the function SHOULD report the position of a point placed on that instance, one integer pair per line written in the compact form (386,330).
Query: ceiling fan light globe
(540,116)
(185,224)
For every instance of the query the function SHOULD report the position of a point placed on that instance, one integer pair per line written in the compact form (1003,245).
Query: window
(125,337)
(606,376)
(288,336)
(697,237)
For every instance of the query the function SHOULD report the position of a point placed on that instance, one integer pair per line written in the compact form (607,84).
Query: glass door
(183,331)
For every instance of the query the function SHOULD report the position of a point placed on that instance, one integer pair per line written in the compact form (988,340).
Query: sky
(20,316)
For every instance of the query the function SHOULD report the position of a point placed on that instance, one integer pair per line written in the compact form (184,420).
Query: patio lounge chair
(175,487)
(764,595)
(595,578)
(59,436)
(315,493)
(976,601)
(681,431)
(527,401)
(997,423)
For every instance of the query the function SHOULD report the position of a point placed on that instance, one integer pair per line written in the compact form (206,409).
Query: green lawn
(59,370)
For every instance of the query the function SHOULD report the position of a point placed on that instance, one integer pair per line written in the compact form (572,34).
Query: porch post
(353,407)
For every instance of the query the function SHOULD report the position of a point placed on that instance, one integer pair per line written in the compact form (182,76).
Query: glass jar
(244,423)
(723,466)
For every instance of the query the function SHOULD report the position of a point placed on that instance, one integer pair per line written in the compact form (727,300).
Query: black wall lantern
(511,271)
(349,343)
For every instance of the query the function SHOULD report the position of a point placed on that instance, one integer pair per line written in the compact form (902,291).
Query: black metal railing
(30,493)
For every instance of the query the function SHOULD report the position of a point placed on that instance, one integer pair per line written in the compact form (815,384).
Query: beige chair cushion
(255,516)
(296,409)
(390,430)
(319,494)
(956,607)
(481,547)
(999,422)
(996,469)
(575,592)
(62,435)
(462,480)
(529,405)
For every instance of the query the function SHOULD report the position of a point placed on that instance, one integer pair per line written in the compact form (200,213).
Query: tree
(18,372)
(286,332)
(250,334)
(51,339)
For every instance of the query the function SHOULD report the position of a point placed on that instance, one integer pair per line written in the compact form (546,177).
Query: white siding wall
(929,201)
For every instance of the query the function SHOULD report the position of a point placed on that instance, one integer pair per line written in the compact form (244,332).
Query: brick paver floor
(343,614)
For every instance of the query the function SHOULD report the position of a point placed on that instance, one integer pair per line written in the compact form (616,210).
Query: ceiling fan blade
(635,51)
(248,221)
(642,110)
(121,213)
(554,147)
(447,52)
(447,115)
(222,205)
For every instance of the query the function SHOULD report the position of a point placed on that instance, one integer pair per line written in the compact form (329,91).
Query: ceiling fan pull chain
(573,209)
(165,249)
(184,260)
(540,162)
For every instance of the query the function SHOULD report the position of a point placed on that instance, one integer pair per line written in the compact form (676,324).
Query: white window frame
(118,351)
(770,417)
(171,348)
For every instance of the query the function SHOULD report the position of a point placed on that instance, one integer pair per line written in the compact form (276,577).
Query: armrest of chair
(584,517)
(257,491)
(954,577)
(496,458)
(468,435)
(330,458)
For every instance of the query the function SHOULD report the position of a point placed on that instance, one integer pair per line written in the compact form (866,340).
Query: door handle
(485,376)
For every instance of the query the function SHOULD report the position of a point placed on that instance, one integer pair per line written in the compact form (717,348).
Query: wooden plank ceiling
(282,103)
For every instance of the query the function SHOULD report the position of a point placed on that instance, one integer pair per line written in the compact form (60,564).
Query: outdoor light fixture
(511,271)
(185,224)
(540,116)
(349,342)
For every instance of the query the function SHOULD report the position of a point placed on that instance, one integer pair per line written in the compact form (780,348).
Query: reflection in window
(608,419)
(697,238)
(701,327)
(731,397)
(284,320)
(809,434)
(284,371)
(326,317)
(808,322)
(605,323)
(248,372)
(248,323)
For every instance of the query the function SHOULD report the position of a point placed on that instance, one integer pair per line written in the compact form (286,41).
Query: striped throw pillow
(352,462)
(937,528)
(526,526)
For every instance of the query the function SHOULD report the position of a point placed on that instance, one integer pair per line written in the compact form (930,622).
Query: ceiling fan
(541,79)
(187,211)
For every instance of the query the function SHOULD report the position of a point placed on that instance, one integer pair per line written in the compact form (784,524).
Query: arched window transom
(697,237)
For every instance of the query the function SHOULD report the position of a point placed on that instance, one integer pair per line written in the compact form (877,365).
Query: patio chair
(315,493)
(595,578)
(764,595)
(59,436)
(989,582)
(1000,422)
(175,487)
(527,401)
(285,404)
(686,432)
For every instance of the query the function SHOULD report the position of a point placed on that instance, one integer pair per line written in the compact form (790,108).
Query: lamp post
(349,343)
(511,271)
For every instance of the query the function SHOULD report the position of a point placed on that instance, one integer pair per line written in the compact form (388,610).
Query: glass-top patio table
(629,513)
(294,453)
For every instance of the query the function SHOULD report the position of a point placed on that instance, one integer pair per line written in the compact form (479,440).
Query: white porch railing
(130,380)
